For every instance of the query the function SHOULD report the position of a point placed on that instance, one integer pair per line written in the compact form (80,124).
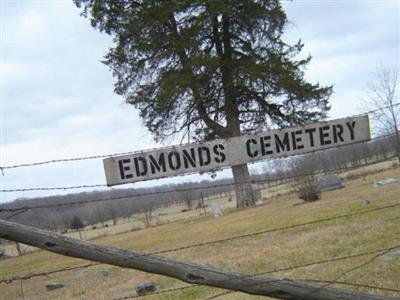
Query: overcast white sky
(57,99)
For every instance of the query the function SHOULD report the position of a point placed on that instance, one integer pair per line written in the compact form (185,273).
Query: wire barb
(278,182)
(73,159)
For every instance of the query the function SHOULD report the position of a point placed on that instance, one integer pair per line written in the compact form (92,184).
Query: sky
(57,98)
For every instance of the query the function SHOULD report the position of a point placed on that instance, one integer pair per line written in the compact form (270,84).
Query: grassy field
(261,253)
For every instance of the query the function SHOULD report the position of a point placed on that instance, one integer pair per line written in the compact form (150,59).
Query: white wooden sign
(213,155)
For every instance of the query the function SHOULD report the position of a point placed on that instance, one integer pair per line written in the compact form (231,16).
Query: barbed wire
(377,254)
(106,186)
(255,181)
(201,244)
(225,240)
(251,277)
(16,213)
(318,262)
(56,188)
(39,274)
(278,182)
(23,209)
(74,268)
(322,220)
(236,237)
(386,250)
(351,284)
(90,157)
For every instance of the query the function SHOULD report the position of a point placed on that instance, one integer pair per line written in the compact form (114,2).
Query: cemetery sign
(220,153)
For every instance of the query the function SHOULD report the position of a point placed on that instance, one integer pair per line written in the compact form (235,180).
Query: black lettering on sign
(282,144)
(157,164)
(140,171)
(174,164)
(310,132)
(218,150)
(204,161)
(296,140)
(351,126)
(337,133)
(323,135)
(265,145)
(189,158)
(123,168)
(249,152)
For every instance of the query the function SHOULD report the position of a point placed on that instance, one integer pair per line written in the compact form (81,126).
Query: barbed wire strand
(70,268)
(327,282)
(79,267)
(279,229)
(322,220)
(227,239)
(30,164)
(369,261)
(362,212)
(286,269)
(350,283)
(16,213)
(381,253)
(252,234)
(278,182)
(74,268)
(85,186)
(39,274)
(281,181)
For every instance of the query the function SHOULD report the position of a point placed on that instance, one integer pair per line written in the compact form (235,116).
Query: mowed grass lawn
(255,254)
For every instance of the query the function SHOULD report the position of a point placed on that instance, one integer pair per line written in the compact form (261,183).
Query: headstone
(53,286)
(330,183)
(260,202)
(146,288)
(396,160)
(136,227)
(104,273)
(216,209)
(385,181)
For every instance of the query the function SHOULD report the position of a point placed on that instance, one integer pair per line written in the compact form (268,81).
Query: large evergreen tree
(214,68)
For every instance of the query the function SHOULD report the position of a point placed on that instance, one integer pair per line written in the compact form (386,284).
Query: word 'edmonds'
(203,157)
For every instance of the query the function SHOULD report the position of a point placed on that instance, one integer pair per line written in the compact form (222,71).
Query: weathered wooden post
(186,271)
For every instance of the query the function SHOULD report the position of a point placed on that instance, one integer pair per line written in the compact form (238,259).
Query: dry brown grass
(253,254)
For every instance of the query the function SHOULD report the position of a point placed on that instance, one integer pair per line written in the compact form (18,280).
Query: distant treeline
(144,200)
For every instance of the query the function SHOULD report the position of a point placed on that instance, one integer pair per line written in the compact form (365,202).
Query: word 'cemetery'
(216,154)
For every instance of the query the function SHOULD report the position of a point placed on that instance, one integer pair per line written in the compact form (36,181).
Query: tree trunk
(245,194)
(398,143)
(397,140)
(203,204)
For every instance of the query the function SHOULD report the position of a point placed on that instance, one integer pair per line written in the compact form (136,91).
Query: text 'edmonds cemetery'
(213,155)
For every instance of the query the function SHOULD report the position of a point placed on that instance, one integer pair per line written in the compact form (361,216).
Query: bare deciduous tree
(305,183)
(99,215)
(112,212)
(383,94)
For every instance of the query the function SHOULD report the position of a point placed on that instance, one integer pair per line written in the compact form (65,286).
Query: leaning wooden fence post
(185,271)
